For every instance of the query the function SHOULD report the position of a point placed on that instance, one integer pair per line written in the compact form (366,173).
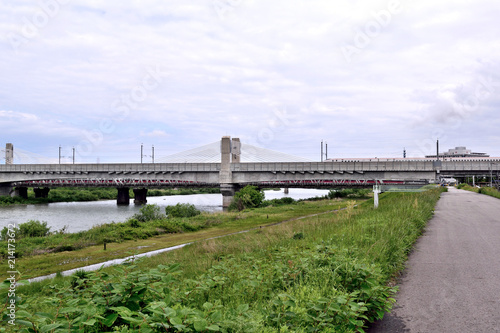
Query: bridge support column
(140,196)
(286,190)
(6,190)
(227,188)
(41,192)
(21,192)
(9,153)
(228,191)
(123,196)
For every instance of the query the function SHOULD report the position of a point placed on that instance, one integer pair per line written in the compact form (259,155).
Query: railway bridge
(231,174)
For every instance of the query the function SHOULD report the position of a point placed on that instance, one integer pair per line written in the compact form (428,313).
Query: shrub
(248,197)
(348,193)
(33,229)
(134,223)
(278,202)
(182,210)
(149,213)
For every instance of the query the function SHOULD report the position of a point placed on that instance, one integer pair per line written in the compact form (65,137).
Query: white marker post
(376,191)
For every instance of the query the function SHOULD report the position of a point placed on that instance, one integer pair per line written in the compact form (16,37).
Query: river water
(78,216)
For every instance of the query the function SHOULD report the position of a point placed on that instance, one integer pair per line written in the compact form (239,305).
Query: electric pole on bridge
(322,154)
(152,153)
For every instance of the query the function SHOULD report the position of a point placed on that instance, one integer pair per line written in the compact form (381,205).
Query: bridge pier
(21,192)
(123,196)
(228,191)
(140,196)
(6,189)
(41,192)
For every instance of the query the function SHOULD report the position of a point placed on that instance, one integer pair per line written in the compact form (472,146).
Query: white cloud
(155,134)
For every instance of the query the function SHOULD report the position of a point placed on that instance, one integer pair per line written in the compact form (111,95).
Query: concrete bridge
(230,175)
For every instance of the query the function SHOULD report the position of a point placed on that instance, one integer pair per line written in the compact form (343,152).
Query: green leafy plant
(181,210)
(248,197)
(31,228)
(149,213)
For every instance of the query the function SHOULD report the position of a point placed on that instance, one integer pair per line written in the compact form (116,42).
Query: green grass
(491,191)
(324,273)
(62,251)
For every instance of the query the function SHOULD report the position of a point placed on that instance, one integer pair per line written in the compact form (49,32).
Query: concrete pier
(225,175)
(41,192)
(123,196)
(6,189)
(235,150)
(9,153)
(228,191)
(21,192)
(140,196)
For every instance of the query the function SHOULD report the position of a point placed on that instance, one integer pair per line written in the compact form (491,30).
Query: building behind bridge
(458,152)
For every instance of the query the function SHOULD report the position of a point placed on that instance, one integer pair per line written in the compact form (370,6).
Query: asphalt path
(452,279)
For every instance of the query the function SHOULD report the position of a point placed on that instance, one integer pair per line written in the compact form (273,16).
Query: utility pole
(321,150)
(437,149)
(491,173)
(153,155)
(404,152)
(322,153)
(59,154)
(73,155)
(142,147)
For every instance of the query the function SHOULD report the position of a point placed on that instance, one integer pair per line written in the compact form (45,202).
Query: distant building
(459,152)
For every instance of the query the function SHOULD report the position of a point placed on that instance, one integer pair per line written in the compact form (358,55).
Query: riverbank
(63,251)
(76,194)
(323,273)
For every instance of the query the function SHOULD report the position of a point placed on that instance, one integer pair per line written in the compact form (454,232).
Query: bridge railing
(130,167)
(335,166)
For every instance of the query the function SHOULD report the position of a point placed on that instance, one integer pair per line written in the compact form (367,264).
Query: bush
(349,193)
(182,210)
(278,202)
(33,229)
(29,229)
(248,197)
(134,223)
(149,213)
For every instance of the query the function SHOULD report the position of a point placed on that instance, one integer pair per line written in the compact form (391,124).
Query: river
(79,216)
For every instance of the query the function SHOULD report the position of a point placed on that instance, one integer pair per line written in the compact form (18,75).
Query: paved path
(452,280)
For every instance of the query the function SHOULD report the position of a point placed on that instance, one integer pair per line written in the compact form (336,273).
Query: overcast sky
(369,77)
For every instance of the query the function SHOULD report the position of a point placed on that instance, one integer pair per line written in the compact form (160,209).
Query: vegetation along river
(78,216)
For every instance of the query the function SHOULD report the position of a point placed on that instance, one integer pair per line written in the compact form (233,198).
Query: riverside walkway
(452,280)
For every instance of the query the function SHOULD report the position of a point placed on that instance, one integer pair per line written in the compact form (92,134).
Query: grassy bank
(71,194)
(491,191)
(326,273)
(147,231)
